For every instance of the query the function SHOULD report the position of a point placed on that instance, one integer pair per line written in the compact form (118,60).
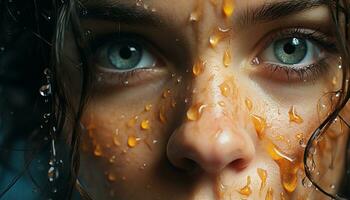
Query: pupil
(125,52)
(289,48)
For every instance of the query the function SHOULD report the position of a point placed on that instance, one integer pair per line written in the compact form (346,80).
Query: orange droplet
(98,151)
(246,190)
(196,14)
(195,111)
(259,124)
(145,124)
(132,141)
(227,58)
(221,103)
(225,89)
(288,167)
(148,107)
(269,194)
(112,159)
(214,40)
(111,177)
(263,176)
(294,117)
(228,7)
(166,94)
(248,104)
(198,67)
(116,141)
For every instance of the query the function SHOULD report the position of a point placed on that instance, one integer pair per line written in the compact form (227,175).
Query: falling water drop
(145,124)
(227,58)
(293,116)
(246,190)
(228,7)
(195,112)
(45,90)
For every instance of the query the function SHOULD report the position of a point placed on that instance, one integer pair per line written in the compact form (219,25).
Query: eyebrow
(269,11)
(274,10)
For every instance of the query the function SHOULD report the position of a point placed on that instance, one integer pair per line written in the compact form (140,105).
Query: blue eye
(124,55)
(291,52)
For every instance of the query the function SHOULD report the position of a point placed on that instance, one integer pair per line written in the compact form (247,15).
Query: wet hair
(32,34)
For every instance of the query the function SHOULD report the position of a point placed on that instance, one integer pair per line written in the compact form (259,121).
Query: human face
(208,99)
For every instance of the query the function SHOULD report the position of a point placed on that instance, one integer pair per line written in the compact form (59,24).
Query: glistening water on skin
(208,99)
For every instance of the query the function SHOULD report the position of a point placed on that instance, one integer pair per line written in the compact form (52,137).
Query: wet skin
(210,117)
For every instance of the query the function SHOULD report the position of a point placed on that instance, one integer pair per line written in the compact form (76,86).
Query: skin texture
(203,139)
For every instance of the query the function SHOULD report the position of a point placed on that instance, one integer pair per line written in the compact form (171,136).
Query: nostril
(238,164)
(187,164)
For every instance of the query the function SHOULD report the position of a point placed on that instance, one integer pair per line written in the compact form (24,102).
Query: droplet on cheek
(294,117)
(259,124)
(227,58)
(246,190)
(112,159)
(228,7)
(148,107)
(225,89)
(98,151)
(289,167)
(196,14)
(269,194)
(263,176)
(166,94)
(195,112)
(198,67)
(248,104)
(145,124)
(132,141)
(111,177)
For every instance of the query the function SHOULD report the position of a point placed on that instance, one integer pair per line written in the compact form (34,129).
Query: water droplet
(225,89)
(98,151)
(116,141)
(259,124)
(196,14)
(148,107)
(288,166)
(132,141)
(306,182)
(112,159)
(263,176)
(294,117)
(227,58)
(166,94)
(221,103)
(198,67)
(52,173)
(248,104)
(255,61)
(111,177)
(45,90)
(145,124)
(228,7)
(332,186)
(269,194)
(246,190)
(195,112)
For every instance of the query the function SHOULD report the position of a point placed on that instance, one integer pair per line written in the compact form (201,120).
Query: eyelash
(309,72)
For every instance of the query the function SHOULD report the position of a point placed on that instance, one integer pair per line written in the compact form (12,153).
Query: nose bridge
(216,136)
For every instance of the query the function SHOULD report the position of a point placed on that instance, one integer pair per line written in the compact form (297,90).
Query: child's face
(208,99)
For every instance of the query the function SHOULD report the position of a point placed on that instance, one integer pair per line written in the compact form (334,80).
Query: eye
(124,55)
(292,51)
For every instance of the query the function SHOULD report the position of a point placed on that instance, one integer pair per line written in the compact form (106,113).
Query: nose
(213,136)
